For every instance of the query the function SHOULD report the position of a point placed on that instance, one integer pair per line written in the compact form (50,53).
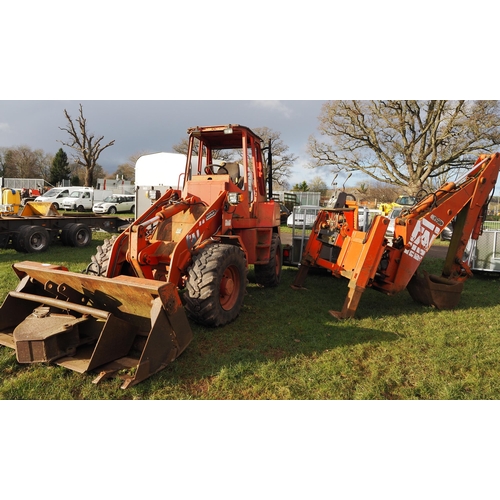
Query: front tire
(100,261)
(216,285)
(270,274)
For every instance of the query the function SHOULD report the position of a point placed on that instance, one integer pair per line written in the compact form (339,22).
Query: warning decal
(421,239)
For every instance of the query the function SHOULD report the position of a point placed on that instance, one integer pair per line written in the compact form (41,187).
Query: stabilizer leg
(350,304)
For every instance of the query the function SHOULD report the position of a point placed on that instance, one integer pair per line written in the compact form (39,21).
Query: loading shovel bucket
(89,323)
(435,291)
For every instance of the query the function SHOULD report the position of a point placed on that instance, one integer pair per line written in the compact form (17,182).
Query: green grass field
(285,345)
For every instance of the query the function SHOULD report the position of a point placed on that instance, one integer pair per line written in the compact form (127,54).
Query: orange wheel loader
(126,312)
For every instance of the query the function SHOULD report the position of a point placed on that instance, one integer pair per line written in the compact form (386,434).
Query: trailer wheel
(33,239)
(79,235)
(216,285)
(65,234)
(18,239)
(270,274)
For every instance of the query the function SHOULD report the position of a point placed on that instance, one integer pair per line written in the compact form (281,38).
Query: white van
(83,198)
(55,196)
(157,172)
(303,216)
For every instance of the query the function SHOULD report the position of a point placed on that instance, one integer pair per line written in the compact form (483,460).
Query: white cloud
(277,106)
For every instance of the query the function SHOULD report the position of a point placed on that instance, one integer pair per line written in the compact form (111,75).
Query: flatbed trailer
(35,233)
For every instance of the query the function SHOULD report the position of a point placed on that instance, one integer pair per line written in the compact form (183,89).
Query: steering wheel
(222,171)
(209,169)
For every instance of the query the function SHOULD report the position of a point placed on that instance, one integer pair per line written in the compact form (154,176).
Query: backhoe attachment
(89,323)
(369,259)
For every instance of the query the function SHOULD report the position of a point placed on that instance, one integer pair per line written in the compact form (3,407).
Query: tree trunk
(89,174)
(413,188)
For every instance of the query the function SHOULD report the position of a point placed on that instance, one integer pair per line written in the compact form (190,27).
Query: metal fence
(17,183)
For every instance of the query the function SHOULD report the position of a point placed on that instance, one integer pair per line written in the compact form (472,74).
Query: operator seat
(233,169)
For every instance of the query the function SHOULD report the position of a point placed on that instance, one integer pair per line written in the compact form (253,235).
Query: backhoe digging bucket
(88,323)
(431,290)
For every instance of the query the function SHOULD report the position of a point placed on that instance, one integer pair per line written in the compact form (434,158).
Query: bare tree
(87,148)
(383,192)
(79,173)
(318,184)
(282,159)
(127,170)
(182,148)
(25,163)
(405,143)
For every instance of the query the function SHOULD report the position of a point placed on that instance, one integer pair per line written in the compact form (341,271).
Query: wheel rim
(229,288)
(36,241)
(81,236)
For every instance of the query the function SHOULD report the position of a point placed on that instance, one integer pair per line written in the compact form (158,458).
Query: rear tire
(270,274)
(216,285)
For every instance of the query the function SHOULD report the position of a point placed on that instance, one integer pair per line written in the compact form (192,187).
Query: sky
(152,126)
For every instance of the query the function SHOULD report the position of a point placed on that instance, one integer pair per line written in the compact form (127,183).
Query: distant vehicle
(406,200)
(370,213)
(395,212)
(303,216)
(83,198)
(284,213)
(54,195)
(403,200)
(447,233)
(155,174)
(115,203)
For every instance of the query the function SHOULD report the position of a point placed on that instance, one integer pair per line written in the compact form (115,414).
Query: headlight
(234,198)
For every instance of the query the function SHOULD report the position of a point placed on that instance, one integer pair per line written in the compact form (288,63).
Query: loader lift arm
(370,260)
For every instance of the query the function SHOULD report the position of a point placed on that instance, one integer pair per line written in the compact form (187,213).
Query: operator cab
(230,157)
